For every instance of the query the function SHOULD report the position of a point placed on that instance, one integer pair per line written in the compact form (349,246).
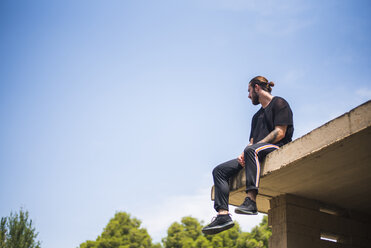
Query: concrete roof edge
(329,133)
(340,116)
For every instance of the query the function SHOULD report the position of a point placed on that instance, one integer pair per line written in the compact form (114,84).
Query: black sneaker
(218,224)
(247,207)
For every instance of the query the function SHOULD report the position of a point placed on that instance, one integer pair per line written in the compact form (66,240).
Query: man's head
(256,87)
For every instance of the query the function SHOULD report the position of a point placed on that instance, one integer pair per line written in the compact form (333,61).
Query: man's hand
(241,159)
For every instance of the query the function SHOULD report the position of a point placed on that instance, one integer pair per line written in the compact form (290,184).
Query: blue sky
(112,106)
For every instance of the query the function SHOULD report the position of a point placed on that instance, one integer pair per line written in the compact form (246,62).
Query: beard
(255,98)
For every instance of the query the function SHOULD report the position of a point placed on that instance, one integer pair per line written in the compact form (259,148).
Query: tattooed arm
(276,135)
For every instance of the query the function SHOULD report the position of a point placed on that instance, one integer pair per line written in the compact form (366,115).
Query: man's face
(253,95)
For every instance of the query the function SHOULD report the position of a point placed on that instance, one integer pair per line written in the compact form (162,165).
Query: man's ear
(257,88)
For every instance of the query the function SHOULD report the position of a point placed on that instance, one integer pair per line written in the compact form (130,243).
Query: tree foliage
(17,231)
(187,234)
(122,231)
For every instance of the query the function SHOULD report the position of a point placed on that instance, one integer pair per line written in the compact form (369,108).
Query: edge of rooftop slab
(329,133)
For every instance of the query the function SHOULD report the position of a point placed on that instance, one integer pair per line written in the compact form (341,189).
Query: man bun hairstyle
(262,82)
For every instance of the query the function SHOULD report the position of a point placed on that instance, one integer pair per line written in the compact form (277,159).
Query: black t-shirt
(277,113)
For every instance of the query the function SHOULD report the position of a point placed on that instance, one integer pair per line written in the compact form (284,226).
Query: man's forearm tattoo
(271,137)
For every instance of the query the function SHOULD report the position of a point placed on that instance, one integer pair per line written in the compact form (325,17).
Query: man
(271,128)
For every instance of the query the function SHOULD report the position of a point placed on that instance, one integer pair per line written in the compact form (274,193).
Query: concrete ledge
(323,136)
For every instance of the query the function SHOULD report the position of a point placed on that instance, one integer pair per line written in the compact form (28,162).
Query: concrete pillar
(302,223)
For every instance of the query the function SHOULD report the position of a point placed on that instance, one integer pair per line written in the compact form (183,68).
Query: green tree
(262,232)
(184,234)
(257,238)
(17,231)
(122,231)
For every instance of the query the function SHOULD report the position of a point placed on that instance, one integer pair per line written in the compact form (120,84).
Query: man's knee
(249,149)
(219,171)
(216,171)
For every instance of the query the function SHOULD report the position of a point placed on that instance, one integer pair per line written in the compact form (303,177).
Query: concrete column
(302,223)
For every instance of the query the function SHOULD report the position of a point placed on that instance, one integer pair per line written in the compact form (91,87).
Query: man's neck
(265,99)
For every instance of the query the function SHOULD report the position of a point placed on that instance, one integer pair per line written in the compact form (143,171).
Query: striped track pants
(253,155)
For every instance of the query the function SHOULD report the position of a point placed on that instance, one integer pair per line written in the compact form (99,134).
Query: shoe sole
(243,211)
(218,229)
